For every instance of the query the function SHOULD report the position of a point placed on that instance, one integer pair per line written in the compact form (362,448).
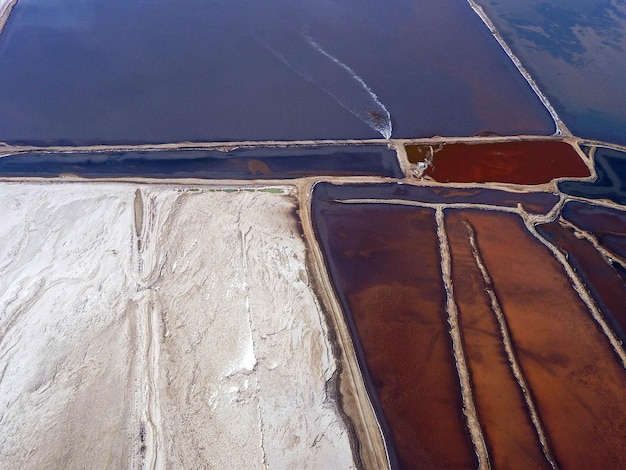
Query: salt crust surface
(194,342)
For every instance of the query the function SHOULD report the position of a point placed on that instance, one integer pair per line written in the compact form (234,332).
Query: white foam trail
(337,79)
(378,117)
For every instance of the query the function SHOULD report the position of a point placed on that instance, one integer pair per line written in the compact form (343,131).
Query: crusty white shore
(147,326)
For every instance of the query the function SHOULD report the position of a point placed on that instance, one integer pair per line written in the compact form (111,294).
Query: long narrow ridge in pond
(603,281)
(458,347)
(539,202)
(583,293)
(607,224)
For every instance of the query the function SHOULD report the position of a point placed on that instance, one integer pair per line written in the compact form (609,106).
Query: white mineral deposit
(161,327)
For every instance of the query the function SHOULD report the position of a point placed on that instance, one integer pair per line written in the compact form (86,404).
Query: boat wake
(311,61)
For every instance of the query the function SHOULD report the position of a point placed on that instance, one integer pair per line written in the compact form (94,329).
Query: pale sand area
(199,344)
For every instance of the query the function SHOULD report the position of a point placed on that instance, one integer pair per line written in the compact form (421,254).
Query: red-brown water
(509,433)
(571,369)
(607,224)
(526,162)
(384,261)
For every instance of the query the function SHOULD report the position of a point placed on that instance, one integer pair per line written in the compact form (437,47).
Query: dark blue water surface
(536,203)
(247,164)
(137,71)
(576,51)
(610,166)
(607,224)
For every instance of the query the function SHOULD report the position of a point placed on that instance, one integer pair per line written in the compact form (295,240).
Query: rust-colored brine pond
(529,369)
(528,162)
(509,431)
(385,263)
(570,371)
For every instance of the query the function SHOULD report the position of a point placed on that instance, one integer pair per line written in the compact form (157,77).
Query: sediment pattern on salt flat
(240,331)
(194,341)
(66,326)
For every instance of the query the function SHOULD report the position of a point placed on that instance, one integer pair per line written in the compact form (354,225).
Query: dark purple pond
(248,164)
(610,166)
(536,203)
(161,71)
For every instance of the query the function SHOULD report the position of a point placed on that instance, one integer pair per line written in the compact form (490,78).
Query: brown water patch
(577,383)
(418,153)
(384,262)
(509,432)
(504,162)
(258,167)
(603,281)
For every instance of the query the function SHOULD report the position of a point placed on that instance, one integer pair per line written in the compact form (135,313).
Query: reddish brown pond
(571,369)
(528,162)
(509,433)
(384,262)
